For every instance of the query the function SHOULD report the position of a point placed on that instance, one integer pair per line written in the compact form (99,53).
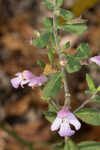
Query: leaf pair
(73,61)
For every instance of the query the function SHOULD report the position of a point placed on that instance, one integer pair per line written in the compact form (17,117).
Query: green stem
(83,104)
(18,138)
(67,95)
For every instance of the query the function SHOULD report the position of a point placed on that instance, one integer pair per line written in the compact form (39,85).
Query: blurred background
(21,110)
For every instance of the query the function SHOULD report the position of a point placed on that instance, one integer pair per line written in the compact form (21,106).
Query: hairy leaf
(83,51)
(53,86)
(89,145)
(66,14)
(73,64)
(90,116)
(75,28)
(41,41)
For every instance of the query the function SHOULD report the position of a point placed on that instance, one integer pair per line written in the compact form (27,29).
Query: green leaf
(41,41)
(51,114)
(41,63)
(88,92)
(66,14)
(83,51)
(49,5)
(75,28)
(98,88)
(73,64)
(90,82)
(48,22)
(51,55)
(59,3)
(96,99)
(66,46)
(89,145)
(70,145)
(53,86)
(89,116)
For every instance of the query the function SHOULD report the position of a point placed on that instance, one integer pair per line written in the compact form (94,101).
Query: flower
(95,59)
(27,77)
(22,78)
(62,122)
(38,81)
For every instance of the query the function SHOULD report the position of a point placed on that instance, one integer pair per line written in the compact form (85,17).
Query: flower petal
(56,124)
(18,74)
(63,113)
(28,75)
(23,82)
(38,81)
(73,120)
(95,59)
(33,82)
(41,80)
(65,130)
(16,82)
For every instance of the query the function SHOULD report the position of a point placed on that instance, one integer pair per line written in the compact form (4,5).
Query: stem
(18,138)
(83,104)
(67,95)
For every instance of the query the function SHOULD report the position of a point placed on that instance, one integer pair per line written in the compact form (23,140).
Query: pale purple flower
(62,122)
(38,81)
(26,77)
(22,78)
(95,59)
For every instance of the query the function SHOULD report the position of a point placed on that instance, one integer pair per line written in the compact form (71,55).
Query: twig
(67,95)
(83,104)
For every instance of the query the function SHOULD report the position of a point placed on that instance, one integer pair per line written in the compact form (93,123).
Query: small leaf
(48,22)
(89,116)
(49,5)
(66,46)
(66,14)
(59,3)
(83,51)
(89,145)
(75,28)
(53,86)
(73,64)
(96,99)
(98,89)
(41,41)
(70,145)
(50,116)
(90,82)
(41,63)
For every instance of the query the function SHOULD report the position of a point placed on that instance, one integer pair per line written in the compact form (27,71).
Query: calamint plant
(53,80)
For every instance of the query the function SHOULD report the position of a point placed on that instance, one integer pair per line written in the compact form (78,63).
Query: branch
(67,95)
